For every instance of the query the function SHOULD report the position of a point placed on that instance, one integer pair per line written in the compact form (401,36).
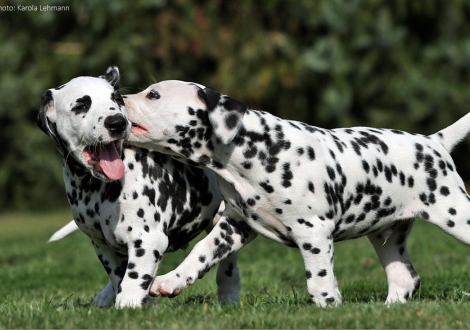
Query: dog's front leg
(315,242)
(227,237)
(145,253)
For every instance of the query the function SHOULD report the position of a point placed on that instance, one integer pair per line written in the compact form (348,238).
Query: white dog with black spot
(133,204)
(304,186)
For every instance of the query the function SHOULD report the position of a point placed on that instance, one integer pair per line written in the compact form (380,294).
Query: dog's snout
(115,124)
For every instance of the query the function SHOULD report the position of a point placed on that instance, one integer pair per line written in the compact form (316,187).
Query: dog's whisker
(126,89)
(152,77)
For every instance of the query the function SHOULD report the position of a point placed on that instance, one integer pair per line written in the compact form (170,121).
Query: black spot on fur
(267,187)
(147,280)
(365,166)
(444,191)
(117,98)
(331,172)
(311,187)
(157,255)
(310,153)
(134,275)
(322,273)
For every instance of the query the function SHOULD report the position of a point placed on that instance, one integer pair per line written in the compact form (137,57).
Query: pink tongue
(111,163)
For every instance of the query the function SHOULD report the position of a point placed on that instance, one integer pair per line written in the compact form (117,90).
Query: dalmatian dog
(133,204)
(304,186)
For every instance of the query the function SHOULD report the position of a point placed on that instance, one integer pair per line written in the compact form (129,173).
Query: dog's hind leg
(402,278)
(115,266)
(106,297)
(450,212)
(228,279)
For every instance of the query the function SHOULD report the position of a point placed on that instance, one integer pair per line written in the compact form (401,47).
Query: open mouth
(105,159)
(137,129)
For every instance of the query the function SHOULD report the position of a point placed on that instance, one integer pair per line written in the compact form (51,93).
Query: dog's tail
(64,231)
(453,134)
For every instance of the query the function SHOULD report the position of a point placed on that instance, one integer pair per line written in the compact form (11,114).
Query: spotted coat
(304,186)
(134,205)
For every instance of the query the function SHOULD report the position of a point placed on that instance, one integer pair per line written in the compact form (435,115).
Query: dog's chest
(95,207)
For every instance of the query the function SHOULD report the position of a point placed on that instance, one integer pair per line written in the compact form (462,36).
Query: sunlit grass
(52,285)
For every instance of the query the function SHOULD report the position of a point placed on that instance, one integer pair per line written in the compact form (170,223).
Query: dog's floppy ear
(46,106)
(112,76)
(225,114)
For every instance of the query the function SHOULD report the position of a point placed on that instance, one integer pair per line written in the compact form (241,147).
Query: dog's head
(87,120)
(183,117)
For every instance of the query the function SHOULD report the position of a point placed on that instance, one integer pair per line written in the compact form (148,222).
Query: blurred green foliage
(331,63)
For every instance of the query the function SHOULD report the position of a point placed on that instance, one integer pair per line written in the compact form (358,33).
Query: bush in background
(330,63)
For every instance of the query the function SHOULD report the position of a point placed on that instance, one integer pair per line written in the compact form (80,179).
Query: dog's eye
(153,95)
(79,106)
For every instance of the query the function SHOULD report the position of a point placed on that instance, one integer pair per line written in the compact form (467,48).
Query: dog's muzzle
(116,125)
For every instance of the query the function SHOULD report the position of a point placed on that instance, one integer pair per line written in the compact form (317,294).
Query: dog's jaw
(104,161)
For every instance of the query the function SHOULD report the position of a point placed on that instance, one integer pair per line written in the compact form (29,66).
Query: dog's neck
(254,150)
(74,168)
(79,177)
(213,155)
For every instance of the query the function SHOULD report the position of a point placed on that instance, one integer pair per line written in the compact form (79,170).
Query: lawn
(52,285)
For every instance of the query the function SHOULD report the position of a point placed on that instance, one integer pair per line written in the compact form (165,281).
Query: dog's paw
(169,285)
(323,301)
(128,302)
(105,298)
(131,302)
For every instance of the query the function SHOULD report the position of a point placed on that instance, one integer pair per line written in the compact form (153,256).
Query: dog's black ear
(225,113)
(47,106)
(47,101)
(112,76)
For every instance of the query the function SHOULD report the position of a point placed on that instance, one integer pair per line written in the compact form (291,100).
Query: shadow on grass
(68,303)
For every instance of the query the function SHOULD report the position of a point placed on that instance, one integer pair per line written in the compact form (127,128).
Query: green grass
(52,285)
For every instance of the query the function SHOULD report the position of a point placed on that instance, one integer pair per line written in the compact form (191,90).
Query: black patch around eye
(82,105)
(153,95)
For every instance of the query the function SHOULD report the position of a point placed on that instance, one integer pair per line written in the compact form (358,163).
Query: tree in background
(330,63)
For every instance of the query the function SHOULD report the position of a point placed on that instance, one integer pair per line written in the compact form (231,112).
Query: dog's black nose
(115,124)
